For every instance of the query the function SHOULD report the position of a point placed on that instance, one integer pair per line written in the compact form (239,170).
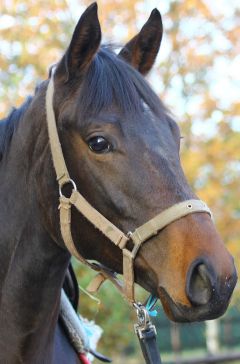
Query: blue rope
(150,305)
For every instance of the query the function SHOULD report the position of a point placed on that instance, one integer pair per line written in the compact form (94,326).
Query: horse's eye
(99,144)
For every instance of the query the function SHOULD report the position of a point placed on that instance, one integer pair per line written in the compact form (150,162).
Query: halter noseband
(115,235)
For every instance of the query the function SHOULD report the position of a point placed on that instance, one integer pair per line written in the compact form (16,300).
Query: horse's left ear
(141,51)
(83,46)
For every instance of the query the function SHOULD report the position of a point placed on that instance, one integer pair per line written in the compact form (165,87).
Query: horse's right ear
(84,45)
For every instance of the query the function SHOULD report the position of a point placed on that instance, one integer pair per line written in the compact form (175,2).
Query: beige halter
(138,237)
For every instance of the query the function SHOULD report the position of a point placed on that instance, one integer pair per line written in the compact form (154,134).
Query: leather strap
(113,233)
(148,342)
(173,213)
(56,149)
(103,272)
(99,221)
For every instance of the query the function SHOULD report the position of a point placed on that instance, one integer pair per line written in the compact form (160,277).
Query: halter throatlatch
(120,239)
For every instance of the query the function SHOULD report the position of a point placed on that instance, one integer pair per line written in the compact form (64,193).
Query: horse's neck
(32,266)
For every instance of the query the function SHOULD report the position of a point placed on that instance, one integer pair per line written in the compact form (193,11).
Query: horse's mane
(9,124)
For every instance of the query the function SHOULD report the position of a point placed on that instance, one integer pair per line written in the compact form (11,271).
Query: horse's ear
(141,51)
(84,45)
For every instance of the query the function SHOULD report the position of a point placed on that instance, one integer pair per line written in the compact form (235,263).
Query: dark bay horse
(121,147)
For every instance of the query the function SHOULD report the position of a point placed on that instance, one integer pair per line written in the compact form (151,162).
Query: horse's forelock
(110,80)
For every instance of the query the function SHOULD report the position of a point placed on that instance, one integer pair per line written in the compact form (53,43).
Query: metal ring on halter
(74,187)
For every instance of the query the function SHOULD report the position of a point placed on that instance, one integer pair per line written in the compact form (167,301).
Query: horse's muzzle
(208,294)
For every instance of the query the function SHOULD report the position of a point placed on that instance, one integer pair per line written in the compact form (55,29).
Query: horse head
(121,146)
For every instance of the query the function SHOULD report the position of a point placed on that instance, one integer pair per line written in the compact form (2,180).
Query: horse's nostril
(199,287)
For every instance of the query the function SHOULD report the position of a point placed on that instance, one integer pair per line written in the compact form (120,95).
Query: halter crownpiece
(114,234)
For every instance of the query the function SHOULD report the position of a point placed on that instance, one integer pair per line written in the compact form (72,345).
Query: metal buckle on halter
(131,252)
(144,322)
(74,187)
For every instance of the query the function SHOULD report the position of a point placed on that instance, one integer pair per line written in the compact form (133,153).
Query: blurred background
(197,75)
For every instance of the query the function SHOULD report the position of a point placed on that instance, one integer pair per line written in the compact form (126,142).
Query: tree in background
(196,74)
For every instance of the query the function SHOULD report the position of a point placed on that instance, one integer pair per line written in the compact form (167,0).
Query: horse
(121,147)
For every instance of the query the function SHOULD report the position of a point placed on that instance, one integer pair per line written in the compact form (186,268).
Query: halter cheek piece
(120,239)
